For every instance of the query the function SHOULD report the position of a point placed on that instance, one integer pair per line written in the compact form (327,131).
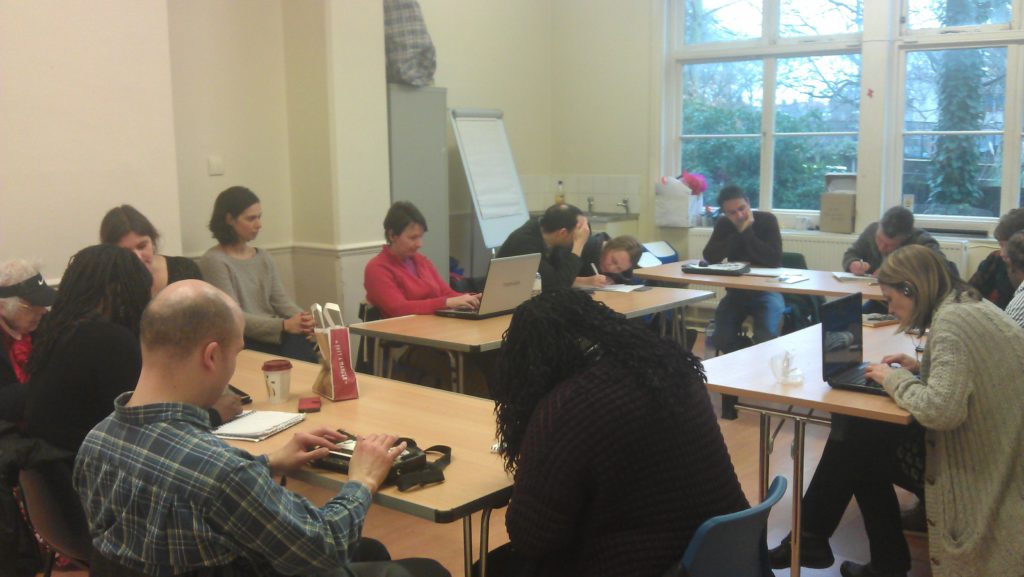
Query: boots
(815,553)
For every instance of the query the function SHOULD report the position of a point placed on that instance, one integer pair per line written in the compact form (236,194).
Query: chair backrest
(793,260)
(54,509)
(734,544)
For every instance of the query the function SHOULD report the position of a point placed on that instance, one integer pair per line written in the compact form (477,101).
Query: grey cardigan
(968,398)
(254,284)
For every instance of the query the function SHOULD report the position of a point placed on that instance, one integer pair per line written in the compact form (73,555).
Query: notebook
(257,425)
(850,277)
(509,283)
(842,346)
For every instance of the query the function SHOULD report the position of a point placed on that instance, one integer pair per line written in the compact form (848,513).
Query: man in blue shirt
(164,496)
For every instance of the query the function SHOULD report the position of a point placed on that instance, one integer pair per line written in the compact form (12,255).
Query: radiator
(823,251)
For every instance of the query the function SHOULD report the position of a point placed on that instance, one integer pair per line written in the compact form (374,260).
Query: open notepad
(257,425)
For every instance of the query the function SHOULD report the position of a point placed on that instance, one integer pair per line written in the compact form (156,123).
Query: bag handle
(432,473)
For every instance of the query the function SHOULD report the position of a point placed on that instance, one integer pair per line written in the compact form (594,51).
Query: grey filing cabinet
(417,134)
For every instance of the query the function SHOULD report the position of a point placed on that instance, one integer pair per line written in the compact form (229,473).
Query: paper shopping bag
(337,378)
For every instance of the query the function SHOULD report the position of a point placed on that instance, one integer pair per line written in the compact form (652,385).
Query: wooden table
(747,374)
(457,337)
(818,282)
(475,481)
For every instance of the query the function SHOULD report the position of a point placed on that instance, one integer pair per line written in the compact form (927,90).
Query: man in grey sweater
(881,238)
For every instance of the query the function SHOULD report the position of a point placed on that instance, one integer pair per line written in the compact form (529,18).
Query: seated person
(87,352)
(992,279)
(401,281)
(1014,249)
(880,238)
(128,228)
(608,260)
(164,496)
(588,407)
(752,236)
(964,395)
(24,299)
(273,322)
(559,236)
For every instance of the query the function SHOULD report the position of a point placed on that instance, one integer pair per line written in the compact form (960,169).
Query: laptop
(842,346)
(509,283)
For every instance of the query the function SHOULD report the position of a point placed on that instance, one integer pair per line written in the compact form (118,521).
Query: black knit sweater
(611,482)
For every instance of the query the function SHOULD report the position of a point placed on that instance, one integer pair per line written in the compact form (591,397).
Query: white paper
(257,425)
(619,288)
(850,277)
(772,272)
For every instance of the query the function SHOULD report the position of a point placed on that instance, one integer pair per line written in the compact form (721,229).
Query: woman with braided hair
(608,429)
(88,350)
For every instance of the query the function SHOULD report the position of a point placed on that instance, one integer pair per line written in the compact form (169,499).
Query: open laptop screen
(842,335)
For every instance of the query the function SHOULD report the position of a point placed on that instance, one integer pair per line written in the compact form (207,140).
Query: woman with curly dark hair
(88,349)
(612,440)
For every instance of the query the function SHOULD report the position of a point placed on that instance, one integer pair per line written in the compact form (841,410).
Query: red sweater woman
(400,281)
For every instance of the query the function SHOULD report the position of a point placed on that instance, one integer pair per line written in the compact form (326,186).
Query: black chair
(55,511)
(801,311)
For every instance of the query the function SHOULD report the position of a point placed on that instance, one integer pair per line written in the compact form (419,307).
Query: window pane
(725,161)
(953,174)
(820,17)
(945,13)
(722,20)
(956,89)
(818,94)
(801,163)
(722,98)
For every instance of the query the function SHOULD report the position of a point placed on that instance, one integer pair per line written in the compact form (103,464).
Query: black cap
(34,290)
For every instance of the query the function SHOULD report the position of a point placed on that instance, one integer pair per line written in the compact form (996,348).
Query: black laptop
(842,346)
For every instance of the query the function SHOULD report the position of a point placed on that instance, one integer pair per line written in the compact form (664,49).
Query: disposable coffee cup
(277,374)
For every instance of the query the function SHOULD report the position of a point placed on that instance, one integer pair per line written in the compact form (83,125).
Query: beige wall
(85,124)
(228,70)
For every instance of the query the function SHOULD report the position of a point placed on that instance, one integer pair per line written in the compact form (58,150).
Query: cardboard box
(838,210)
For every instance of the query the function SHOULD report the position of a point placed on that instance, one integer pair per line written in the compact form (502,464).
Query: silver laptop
(842,346)
(509,283)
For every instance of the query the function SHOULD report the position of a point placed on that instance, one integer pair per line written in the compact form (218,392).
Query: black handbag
(411,469)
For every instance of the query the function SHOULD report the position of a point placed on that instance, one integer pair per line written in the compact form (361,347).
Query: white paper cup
(277,374)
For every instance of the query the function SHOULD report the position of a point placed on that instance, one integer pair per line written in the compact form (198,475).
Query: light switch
(214,165)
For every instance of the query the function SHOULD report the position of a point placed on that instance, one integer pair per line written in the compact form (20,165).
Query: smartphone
(244,396)
(309,405)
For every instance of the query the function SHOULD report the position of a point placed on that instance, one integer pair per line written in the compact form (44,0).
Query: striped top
(164,496)
(1015,308)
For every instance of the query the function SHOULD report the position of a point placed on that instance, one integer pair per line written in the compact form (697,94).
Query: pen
(594,266)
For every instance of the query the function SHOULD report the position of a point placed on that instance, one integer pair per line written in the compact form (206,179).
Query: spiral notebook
(258,425)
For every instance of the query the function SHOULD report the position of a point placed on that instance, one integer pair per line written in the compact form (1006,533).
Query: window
(772,95)
(953,130)
(770,110)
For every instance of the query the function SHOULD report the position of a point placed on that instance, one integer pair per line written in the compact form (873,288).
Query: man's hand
(580,235)
(372,459)
(859,267)
(228,406)
(743,225)
(299,324)
(468,301)
(303,448)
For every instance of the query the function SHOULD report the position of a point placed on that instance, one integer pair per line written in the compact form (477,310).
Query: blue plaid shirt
(163,495)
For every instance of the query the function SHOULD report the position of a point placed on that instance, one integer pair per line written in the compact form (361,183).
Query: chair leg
(48,566)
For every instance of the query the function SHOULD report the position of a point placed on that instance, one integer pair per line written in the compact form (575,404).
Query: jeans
(291,346)
(765,307)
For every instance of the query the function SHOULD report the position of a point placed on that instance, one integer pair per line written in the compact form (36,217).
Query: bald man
(164,496)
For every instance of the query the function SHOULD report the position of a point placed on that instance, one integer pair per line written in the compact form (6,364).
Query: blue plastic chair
(734,544)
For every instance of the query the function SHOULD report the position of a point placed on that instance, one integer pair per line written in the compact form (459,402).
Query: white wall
(85,124)
(227,61)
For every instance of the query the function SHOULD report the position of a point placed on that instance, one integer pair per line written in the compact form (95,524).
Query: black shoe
(815,553)
(913,519)
(851,569)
